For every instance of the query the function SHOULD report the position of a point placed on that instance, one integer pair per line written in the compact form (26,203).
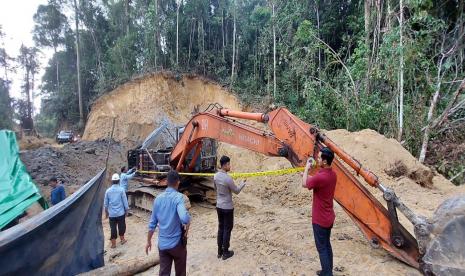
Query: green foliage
(45,125)
(50,26)
(6,120)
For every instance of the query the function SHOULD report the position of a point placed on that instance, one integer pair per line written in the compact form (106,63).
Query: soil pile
(140,105)
(32,142)
(392,163)
(74,164)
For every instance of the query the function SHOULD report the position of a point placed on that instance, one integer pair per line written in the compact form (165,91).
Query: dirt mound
(140,105)
(385,157)
(376,152)
(74,164)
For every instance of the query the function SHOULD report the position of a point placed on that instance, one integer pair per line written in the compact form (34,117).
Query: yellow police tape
(239,175)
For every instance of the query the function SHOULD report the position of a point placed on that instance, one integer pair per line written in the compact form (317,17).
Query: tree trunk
(32,93)
(203,47)
(78,66)
(318,26)
(233,46)
(129,267)
(388,16)
(274,51)
(449,106)
(58,74)
(27,88)
(367,4)
(155,34)
(222,30)
(98,53)
(367,43)
(191,38)
(199,45)
(177,31)
(424,145)
(401,74)
(126,12)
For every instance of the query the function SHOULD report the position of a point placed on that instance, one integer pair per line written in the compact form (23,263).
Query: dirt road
(267,241)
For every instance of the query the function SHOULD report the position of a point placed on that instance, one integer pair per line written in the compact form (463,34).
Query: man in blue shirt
(58,191)
(116,207)
(125,176)
(170,214)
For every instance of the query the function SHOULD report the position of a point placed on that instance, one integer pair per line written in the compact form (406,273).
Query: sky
(17,23)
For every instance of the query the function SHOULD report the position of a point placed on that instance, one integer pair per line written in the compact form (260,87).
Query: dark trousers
(121,223)
(323,245)
(177,254)
(225,226)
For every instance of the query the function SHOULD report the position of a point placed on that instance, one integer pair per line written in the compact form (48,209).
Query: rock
(89,151)
(343,236)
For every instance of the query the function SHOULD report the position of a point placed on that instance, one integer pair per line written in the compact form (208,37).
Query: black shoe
(220,253)
(318,272)
(228,254)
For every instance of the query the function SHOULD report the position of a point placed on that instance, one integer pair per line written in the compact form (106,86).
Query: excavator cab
(206,160)
(152,160)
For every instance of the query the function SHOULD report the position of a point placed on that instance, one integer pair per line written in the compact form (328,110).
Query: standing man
(224,185)
(116,207)
(58,191)
(171,216)
(125,176)
(323,185)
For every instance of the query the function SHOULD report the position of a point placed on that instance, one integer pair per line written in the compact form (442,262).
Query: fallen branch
(447,111)
(129,267)
(457,175)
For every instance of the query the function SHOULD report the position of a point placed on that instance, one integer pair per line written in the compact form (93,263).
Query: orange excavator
(295,140)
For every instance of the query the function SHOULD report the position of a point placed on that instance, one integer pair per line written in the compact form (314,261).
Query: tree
(274,49)
(401,72)
(178,6)
(234,44)
(5,105)
(6,111)
(78,68)
(28,61)
(49,30)
(5,59)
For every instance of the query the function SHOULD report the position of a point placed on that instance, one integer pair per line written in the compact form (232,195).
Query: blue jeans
(323,245)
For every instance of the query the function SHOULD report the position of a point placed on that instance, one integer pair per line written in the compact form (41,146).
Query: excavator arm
(296,141)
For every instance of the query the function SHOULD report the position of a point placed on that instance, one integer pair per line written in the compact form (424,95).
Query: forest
(394,66)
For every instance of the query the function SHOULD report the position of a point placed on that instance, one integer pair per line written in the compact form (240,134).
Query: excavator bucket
(445,253)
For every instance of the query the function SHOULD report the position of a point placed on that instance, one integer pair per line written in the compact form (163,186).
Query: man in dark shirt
(224,186)
(58,191)
(323,184)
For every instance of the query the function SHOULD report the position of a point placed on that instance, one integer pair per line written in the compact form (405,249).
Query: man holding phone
(323,184)
(224,186)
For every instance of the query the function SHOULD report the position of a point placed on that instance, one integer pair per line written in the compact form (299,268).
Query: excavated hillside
(140,105)
(272,233)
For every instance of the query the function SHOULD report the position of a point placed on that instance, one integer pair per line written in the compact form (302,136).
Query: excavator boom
(296,141)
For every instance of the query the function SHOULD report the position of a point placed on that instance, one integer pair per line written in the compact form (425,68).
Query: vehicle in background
(65,136)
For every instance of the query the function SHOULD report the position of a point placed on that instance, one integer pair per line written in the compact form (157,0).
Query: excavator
(432,251)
